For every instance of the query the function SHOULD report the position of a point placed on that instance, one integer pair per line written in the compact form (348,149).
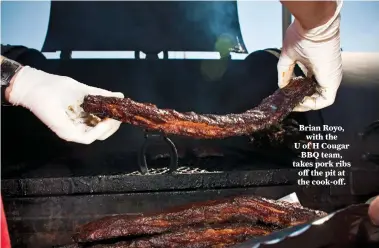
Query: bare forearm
(311,14)
(9,88)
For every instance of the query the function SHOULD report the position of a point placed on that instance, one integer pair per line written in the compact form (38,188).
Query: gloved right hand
(318,53)
(56,101)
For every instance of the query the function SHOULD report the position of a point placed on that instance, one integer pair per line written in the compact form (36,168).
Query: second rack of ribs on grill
(218,223)
(271,111)
(191,237)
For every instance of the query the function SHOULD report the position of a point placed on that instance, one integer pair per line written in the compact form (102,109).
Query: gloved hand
(317,52)
(55,100)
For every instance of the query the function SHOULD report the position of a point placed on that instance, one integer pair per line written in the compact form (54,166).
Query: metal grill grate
(180,170)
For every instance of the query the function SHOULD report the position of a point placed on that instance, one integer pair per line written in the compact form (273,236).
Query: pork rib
(239,209)
(190,237)
(272,110)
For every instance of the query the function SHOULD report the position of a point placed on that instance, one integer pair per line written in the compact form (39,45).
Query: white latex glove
(317,52)
(55,100)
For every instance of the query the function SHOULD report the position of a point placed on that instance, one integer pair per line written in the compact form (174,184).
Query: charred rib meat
(272,110)
(240,209)
(191,237)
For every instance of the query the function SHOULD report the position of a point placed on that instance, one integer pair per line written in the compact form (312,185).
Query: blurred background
(26,23)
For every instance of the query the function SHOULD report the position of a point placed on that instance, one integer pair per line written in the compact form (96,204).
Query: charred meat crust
(195,237)
(272,110)
(241,209)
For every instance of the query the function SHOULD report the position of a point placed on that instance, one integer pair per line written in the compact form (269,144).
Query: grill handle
(155,137)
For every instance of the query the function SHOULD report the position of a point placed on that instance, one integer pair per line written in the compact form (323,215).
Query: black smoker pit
(50,200)
(46,199)
(44,211)
(50,187)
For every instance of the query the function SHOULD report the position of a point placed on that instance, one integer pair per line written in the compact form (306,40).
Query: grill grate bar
(166,170)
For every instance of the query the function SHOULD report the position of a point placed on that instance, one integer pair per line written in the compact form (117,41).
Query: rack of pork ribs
(217,223)
(270,112)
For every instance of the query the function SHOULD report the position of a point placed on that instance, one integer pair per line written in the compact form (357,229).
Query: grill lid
(146,26)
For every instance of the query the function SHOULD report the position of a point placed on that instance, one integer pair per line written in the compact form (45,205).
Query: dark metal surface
(138,183)
(363,175)
(364,181)
(146,26)
(154,138)
(367,132)
(355,107)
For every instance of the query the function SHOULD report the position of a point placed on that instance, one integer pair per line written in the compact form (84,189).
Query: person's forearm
(311,14)
(9,88)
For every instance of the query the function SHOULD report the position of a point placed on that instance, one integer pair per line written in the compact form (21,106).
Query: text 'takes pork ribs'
(241,209)
(272,110)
